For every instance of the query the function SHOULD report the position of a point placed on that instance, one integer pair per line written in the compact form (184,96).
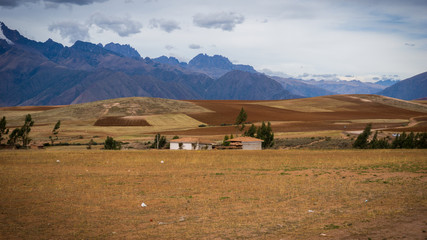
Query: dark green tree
(241,119)
(374,142)
(55,132)
(111,144)
(13,137)
(396,142)
(265,133)
(362,140)
(409,141)
(3,130)
(422,140)
(25,130)
(159,141)
(251,131)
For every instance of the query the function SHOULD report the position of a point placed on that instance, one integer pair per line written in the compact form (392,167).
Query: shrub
(111,144)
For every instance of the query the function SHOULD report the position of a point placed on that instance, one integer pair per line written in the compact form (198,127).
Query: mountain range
(48,73)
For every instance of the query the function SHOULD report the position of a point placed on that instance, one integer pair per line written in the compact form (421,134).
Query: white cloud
(194,46)
(166,25)
(224,20)
(124,27)
(71,30)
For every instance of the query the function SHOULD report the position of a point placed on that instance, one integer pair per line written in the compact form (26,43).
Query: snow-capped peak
(2,36)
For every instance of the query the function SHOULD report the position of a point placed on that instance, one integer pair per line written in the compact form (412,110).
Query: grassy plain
(272,194)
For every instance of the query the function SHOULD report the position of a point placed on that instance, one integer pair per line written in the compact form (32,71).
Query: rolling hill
(134,118)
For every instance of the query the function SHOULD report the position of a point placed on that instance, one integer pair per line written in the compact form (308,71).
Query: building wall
(251,146)
(189,146)
(185,146)
(174,146)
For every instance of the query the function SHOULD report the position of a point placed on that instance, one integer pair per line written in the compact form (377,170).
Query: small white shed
(190,144)
(247,143)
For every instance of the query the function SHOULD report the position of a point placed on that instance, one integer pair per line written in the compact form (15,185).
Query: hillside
(139,118)
(299,87)
(409,89)
(240,85)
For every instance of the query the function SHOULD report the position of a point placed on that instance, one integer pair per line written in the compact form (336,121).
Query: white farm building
(190,144)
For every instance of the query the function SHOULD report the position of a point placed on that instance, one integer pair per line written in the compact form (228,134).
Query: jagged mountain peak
(216,65)
(205,61)
(3,36)
(123,49)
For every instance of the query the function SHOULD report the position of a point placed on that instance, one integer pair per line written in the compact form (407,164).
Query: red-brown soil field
(285,120)
(121,121)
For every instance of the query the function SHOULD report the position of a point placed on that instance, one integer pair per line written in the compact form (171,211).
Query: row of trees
(21,135)
(18,134)
(264,132)
(411,140)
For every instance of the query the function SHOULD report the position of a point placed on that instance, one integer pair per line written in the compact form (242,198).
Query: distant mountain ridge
(409,89)
(238,84)
(347,87)
(387,83)
(48,73)
(213,66)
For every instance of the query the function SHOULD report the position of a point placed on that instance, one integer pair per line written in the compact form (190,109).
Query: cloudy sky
(346,39)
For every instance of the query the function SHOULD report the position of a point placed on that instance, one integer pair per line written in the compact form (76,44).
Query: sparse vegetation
(55,132)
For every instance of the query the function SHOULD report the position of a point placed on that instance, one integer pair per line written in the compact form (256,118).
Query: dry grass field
(274,194)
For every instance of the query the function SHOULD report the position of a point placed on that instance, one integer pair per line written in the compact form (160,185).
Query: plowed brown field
(340,112)
(226,111)
(121,121)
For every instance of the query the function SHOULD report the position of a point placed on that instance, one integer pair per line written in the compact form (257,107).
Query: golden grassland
(296,194)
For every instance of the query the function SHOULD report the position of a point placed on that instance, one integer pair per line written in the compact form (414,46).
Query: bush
(111,144)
